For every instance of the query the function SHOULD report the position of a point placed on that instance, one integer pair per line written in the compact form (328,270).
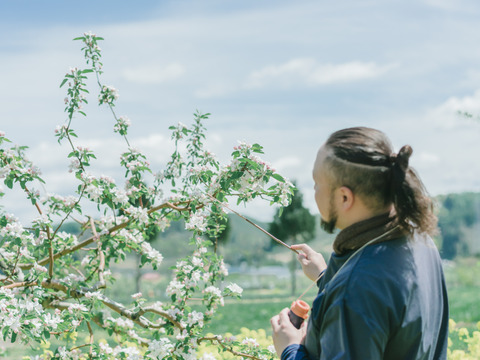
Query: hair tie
(392,158)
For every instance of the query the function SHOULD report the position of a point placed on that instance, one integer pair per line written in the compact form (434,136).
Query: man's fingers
(307,250)
(274,322)
(302,258)
(283,316)
(280,319)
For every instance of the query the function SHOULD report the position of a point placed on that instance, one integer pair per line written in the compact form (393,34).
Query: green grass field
(265,296)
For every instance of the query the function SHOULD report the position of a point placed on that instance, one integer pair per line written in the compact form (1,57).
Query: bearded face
(329,225)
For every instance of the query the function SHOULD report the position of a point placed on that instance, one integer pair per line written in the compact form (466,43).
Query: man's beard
(329,226)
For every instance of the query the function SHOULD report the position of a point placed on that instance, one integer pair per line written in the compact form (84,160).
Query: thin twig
(92,238)
(101,255)
(91,338)
(227,348)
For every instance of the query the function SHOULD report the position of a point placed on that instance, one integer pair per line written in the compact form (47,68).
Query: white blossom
(196,261)
(39,268)
(160,349)
(94,192)
(223,269)
(119,196)
(76,307)
(195,317)
(52,320)
(137,296)
(271,348)
(94,295)
(250,342)
(74,165)
(176,287)
(139,214)
(214,291)
(235,289)
(121,322)
(152,253)
(163,223)
(196,222)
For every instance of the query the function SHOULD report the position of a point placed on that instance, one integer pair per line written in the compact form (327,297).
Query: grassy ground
(265,296)
(463,283)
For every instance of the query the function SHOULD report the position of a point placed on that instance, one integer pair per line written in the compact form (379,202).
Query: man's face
(324,194)
(330,224)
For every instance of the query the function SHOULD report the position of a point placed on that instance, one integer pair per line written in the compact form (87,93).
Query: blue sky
(280,73)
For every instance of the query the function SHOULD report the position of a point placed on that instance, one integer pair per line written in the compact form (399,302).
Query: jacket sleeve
(295,352)
(355,326)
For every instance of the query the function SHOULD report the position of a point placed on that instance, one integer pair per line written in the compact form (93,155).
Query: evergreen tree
(294,225)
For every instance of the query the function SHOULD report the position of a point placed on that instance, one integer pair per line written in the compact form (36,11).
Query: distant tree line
(458,215)
(459,224)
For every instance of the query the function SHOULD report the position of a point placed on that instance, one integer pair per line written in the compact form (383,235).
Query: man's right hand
(312,262)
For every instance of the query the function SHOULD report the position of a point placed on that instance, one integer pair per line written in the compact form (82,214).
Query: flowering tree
(54,283)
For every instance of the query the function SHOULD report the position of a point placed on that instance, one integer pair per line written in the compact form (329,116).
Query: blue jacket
(388,302)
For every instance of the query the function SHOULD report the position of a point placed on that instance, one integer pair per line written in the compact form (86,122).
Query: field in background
(267,291)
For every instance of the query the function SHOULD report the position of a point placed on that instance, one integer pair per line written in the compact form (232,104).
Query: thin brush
(252,223)
(311,285)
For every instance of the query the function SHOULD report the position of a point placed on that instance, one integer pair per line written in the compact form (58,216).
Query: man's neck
(360,213)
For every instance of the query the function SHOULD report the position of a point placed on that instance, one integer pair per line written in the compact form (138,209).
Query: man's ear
(346,198)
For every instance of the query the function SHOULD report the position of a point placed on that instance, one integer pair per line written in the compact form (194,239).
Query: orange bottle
(298,312)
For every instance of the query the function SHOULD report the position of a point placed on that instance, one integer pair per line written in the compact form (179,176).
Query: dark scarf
(358,234)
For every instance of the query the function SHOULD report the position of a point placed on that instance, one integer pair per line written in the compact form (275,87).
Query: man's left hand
(284,333)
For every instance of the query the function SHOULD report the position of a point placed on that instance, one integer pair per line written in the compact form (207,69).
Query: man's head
(357,176)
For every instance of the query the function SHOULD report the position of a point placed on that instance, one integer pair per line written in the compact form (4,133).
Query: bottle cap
(300,308)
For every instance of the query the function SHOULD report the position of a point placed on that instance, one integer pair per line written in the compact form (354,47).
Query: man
(383,294)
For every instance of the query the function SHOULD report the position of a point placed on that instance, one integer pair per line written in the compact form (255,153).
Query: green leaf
(278,177)
(14,337)
(9,182)
(5,332)
(79,38)
(257,148)
(63,82)
(236,175)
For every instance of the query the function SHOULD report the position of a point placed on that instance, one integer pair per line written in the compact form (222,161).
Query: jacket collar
(358,234)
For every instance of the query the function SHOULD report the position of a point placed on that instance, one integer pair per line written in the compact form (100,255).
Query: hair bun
(403,156)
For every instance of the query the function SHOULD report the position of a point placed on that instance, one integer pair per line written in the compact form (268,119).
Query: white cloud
(466,103)
(154,74)
(307,71)
(453,5)
(448,114)
(352,71)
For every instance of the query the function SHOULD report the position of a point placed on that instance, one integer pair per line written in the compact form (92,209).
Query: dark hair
(363,160)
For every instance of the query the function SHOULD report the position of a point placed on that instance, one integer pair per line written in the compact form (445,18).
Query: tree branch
(226,347)
(109,231)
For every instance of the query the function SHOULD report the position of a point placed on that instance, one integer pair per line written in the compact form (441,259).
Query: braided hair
(363,160)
